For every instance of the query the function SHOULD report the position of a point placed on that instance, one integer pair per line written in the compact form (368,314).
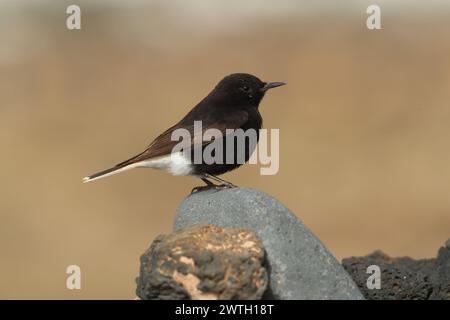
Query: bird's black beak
(270,85)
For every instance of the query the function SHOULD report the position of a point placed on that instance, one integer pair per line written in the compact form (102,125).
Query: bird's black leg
(224,183)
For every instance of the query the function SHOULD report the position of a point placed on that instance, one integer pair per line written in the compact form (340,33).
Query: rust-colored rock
(204,262)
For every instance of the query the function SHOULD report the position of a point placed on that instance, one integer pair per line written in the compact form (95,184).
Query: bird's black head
(243,89)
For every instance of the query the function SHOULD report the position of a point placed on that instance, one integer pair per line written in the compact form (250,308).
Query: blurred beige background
(364,127)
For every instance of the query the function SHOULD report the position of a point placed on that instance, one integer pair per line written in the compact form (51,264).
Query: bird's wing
(163,144)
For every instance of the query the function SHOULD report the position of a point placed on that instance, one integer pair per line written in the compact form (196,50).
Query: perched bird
(232,104)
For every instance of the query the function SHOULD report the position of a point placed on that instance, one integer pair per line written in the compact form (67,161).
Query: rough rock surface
(300,266)
(203,262)
(404,278)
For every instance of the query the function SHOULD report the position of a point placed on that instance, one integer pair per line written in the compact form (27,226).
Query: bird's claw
(199,189)
(225,186)
(215,187)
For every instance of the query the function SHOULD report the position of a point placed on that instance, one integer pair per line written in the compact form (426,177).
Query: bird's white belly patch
(174,163)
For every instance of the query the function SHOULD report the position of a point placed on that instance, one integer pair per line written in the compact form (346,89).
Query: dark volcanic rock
(203,262)
(403,278)
(441,274)
(300,265)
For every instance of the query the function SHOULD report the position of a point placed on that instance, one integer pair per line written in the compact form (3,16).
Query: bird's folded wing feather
(163,144)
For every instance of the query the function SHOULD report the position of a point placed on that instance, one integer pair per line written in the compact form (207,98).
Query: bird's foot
(226,186)
(213,186)
(201,188)
(209,185)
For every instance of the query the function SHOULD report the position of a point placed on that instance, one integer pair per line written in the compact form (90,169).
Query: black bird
(232,104)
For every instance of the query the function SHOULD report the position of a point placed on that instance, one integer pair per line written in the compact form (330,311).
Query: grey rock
(300,266)
(204,262)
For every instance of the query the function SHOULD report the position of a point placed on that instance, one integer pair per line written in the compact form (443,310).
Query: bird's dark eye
(245,88)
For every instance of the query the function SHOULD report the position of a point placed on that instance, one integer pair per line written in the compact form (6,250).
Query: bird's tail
(109,172)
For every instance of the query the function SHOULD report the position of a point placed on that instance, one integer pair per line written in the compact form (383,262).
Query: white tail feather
(118,170)
(176,164)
